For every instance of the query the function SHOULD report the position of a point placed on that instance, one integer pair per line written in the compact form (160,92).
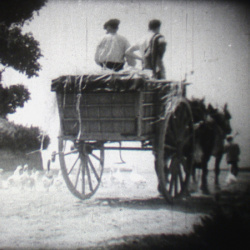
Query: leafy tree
(18,50)
(11,98)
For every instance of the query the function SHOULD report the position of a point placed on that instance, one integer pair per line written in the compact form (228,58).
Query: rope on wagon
(66,82)
(78,102)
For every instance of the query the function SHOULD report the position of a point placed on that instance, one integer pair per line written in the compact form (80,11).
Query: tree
(18,50)
(11,98)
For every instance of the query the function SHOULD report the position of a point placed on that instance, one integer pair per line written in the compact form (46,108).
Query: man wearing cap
(152,49)
(110,52)
(233,151)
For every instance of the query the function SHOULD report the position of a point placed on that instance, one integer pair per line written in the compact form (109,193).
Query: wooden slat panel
(109,113)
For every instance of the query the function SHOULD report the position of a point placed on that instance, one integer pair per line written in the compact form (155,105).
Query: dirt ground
(121,209)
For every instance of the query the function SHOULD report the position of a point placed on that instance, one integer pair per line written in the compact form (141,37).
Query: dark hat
(113,23)
(154,24)
(229,138)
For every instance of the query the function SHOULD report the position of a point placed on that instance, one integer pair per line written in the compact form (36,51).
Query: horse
(211,127)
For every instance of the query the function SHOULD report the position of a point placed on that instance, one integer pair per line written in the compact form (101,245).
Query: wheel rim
(175,153)
(82,167)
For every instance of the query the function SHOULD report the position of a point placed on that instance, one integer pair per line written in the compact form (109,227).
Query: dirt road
(56,219)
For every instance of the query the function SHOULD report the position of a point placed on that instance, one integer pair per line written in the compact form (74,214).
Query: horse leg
(193,184)
(217,170)
(193,173)
(204,186)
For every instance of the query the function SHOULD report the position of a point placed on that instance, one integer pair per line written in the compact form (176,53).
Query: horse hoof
(205,191)
(187,193)
(159,188)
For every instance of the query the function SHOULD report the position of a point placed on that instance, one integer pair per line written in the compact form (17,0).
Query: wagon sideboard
(112,107)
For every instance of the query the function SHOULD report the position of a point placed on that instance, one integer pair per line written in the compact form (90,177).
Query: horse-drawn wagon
(97,110)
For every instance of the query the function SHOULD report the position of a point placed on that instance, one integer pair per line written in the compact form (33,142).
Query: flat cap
(113,23)
(229,138)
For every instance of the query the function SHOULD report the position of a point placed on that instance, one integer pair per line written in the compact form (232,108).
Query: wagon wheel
(174,154)
(82,166)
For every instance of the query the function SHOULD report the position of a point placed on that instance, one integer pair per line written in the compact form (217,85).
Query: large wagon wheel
(82,166)
(174,153)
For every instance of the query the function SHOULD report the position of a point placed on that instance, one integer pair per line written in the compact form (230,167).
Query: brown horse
(211,127)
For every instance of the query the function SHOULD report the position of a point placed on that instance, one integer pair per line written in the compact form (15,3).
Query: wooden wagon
(97,110)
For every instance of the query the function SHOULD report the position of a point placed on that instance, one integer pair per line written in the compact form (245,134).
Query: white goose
(24,178)
(1,171)
(33,179)
(137,179)
(116,177)
(47,179)
(15,179)
(230,179)
(58,180)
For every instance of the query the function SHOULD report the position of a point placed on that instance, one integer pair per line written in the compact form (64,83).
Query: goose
(1,171)
(24,178)
(58,180)
(33,179)
(230,179)
(137,179)
(15,179)
(47,179)
(116,177)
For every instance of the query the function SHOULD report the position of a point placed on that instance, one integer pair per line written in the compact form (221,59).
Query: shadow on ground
(201,204)
(226,225)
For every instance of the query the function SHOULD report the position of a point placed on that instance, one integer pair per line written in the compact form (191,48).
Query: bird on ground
(15,179)
(137,179)
(58,180)
(230,179)
(33,179)
(47,179)
(1,171)
(24,178)
(116,177)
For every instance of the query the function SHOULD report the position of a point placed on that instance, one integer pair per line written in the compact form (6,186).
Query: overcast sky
(210,38)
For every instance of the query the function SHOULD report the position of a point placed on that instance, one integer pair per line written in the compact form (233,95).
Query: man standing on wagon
(152,49)
(110,52)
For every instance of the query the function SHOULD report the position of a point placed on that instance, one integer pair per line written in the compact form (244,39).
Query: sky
(210,38)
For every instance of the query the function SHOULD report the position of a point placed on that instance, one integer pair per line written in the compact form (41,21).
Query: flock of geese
(25,179)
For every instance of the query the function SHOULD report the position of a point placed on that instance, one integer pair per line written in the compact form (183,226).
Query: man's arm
(97,52)
(130,52)
(161,46)
(130,60)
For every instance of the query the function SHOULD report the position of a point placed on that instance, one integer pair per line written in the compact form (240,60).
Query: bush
(18,137)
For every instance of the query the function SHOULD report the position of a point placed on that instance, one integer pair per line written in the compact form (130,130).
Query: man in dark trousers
(233,152)
(110,52)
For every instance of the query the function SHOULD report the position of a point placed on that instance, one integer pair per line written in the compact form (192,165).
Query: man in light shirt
(110,52)
(151,48)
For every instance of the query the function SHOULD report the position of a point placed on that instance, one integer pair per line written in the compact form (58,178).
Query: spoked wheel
(82,166)
(174,154)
